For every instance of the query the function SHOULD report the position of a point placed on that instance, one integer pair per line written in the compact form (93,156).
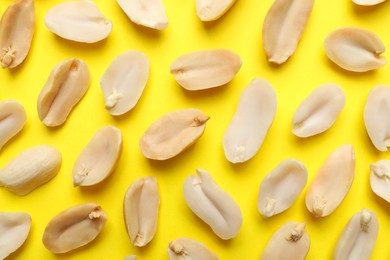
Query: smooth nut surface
(140,209)
(318,111)
(17,29)
(30,169)
(79,21)
(368,2)
(148,13)
(74,228)
(14,230)
(213,205)
(380,179)
(205,69)
(332,182)
(211,10)
(283,28)
(187,248)
(99,157)
(173,133)
(124,81)
(12,119)
(66,85)
(355,49)
(251,121)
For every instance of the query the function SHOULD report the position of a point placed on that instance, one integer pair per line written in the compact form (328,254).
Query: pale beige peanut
(79,21)
(332,182)
(283,27)
(376,119)
(213,205)
(173,133)
(12,119)
(281,187)
(124,81)
(14,230)
(380,179)
(66,85)
(318,112)
(211,10)
(250,124)
(99,157)
(140,209)
(358,237)
(131,257)
(206,69)
(30,169)
(368,2)
(355,49)
(290,242)
(190,249)
(17,28)
(148,13)
(74,227)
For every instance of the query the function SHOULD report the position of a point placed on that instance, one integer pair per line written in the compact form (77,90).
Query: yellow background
(240,31)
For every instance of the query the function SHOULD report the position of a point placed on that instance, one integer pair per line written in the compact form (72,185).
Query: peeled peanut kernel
(131,257)
(281,187)
(17,28)
(186,248)
(368,2)
(12,119)
(79,21)
(380,179)
(173,133)
(211,10)
(205,69)
(283,28)
(14,230)
(124,81)
(355,49)
(148,13)
(251,121)
(65,87)
(318,111)
(30,169)
(376,117)
(140,210)
(99,158)
(290,242)
(73,228)
(213,205)
(358,237)
(332,182)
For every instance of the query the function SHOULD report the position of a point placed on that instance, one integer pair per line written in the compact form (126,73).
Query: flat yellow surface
(240,31)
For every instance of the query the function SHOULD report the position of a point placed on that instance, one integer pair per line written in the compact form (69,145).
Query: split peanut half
(283,28)
(14,230)
(17,28)
(355,49)
(318,111)
(368,2)
(211,10)
(251,121)
(281,187)
(12,119)
(99,158)
(66,85)
(205,69)
(332,182)
(131,257)
(187,248)
(173,133)
(148,13)
(79,21)
(140,210)
(30,169)
(290,242)
(74,227)
(376,117)
(213,205)
(358,237)
(380,179)
(124,81)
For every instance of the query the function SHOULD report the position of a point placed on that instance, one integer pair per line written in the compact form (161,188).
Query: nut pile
(349,49)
